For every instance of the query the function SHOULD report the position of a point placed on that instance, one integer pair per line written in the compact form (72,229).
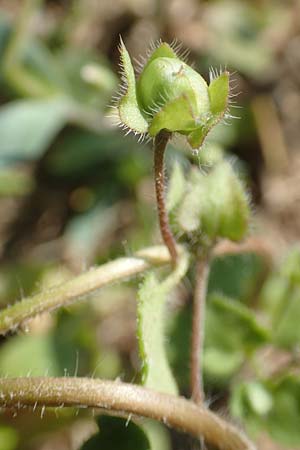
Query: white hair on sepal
(231,102)
(213,74)
(139,64)
(141,60)
(181,52)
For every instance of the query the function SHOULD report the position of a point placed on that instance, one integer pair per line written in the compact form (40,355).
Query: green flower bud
(170,95)
(214,205)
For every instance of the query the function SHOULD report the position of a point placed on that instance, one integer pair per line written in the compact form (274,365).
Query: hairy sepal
(176,115)
(129,112)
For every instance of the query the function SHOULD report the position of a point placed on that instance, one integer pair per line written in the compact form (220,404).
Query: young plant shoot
(169,97)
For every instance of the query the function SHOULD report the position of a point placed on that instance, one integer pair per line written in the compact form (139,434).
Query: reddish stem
(202,272)
(160,144)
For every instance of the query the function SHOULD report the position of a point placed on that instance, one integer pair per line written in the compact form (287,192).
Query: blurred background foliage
(74,191)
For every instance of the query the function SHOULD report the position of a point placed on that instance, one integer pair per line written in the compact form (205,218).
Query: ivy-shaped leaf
(151,311)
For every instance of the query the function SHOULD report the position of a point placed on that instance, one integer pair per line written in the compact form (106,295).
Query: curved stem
(252,244)
(202,272)
(174,411)
(81,286)
(160,144)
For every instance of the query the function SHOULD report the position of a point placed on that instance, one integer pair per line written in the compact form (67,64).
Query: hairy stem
(174,411)
(81,286)
(160,143)
(202,272)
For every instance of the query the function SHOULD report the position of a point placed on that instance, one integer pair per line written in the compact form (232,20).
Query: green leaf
(259,398)
(29,67)
(287,332)
(236,276)
(175,115)
(22,355)
(219,364)
(232,326)
(157,434)
(117,433)
(129,112)
(179,330)
(284,418)
(250,403)
(274,297)
(270,406)
(156,372)
(151,311)
(255,396)
(280,300)
(27,127)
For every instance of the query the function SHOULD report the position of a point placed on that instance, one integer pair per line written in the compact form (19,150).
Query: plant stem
(81,286)
(175,412)
(250,245)
(202,272)
(160,143)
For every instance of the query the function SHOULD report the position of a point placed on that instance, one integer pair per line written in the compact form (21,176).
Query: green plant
(203,107)
(209,213)
(169,96)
